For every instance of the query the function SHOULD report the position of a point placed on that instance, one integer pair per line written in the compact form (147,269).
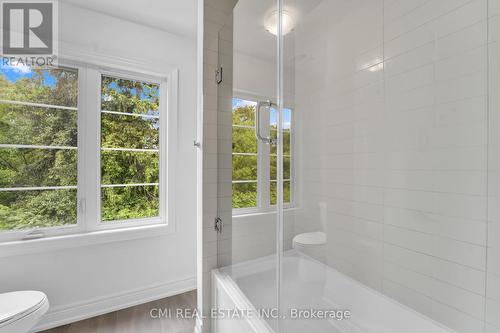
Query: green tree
(22,167)
(245,166)
(129,131)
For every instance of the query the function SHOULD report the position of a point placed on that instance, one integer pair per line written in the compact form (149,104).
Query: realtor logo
(29,30)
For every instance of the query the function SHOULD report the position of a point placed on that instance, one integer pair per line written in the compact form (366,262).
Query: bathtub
(244,300)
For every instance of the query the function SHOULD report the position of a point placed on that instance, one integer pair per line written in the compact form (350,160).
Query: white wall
(254,75)
(90,279)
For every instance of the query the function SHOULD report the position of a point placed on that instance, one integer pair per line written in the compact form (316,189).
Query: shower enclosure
(359,166)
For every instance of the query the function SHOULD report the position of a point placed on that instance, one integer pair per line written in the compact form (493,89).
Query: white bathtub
(306,284)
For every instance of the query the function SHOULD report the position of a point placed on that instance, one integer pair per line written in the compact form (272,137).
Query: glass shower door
(388,164)
(247,99)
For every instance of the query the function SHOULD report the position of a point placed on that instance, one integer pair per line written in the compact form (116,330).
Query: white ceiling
(175,16)
(250,35)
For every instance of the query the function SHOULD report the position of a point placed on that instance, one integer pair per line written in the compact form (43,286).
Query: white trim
(131,114)
(246,154)
(126,185)
(74,54)
(244,181)
(250,96)
(40,188)
(132,149)
(83,150)
(164,132)
(91,118)
(168,110)
(254,211)
(16,146)
(131,222)
(79,311)
(47,244)
(168,139)
(131,75)
(40,105)
(244,126)
(8,236)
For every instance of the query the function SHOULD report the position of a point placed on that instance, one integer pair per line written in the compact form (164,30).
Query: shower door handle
(266,139)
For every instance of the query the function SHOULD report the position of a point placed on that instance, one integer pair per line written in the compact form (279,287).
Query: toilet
(313,244)
(20,311)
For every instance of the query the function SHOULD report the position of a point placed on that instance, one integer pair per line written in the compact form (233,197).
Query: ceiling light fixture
(271,23)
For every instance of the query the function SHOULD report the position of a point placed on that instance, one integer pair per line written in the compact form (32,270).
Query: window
(254,163)
(245,155)
(129,149)
(38,148)
(48,121)
(287,157)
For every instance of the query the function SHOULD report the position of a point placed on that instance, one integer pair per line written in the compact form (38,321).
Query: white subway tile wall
(397,104)
(493,254)
(216,170)
(403,146)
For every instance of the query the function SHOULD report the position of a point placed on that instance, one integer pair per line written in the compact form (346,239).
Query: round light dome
(272,23)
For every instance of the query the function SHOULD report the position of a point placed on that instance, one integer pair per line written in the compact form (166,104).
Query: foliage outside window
(38,147)
(244,154)
(287,157)
(247,155)
(129,149)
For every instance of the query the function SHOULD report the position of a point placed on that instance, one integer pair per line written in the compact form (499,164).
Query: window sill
(257,212)
(55,243)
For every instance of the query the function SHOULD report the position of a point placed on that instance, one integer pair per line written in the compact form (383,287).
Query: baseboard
(76,312)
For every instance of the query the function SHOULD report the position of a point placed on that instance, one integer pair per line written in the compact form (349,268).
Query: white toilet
(313,244)
(20,311)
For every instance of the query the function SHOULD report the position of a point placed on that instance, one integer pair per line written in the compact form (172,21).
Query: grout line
(438,279)
(436,257)
(433,41)
(384,224)
(433,20)
(434,300)
(407,12)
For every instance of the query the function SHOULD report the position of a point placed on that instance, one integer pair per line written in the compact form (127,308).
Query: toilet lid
(18,304)
(310,238)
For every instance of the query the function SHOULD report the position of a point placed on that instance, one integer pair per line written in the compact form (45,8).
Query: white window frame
(263,166)
(89,229)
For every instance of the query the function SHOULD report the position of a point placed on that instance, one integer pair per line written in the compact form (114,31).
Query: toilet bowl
(20,311)
(312,244)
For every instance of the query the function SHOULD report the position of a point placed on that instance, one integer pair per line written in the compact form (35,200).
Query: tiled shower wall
(406,155)
(214,14)
(403,146)
(493,236)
